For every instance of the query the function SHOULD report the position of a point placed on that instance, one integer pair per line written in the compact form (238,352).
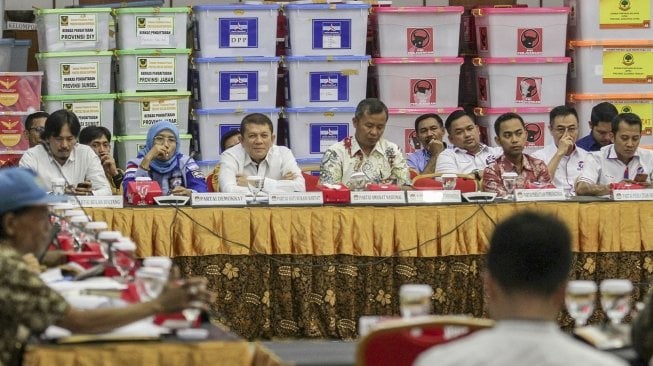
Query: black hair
(370,106)
(426,116)
(30,119)
(229,134)
(256,119)
(57,120)
(530,252)
(455,115)
(603,112)
(505,117)
(90,133)
(628,118)
(562,111)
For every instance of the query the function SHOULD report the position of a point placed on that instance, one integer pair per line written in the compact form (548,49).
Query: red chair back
(310,182)
(466,184)
(209,183)
(427,183)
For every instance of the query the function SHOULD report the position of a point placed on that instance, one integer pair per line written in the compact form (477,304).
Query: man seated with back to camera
(380,160)
(469,154)
(429,131)
(600,127)
(623,161)
(60,156)
(27,305)
(527,266)
(258,155)
(99,139)
(228,140)
(510,132)
(563,158)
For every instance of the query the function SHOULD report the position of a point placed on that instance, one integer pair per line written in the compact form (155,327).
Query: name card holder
(217,199)
(545,194)
(98,201)
(296,199)
(452,196)
(378,197)
(632,194)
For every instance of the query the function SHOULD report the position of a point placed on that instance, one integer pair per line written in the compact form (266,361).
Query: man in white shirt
(258,155)
(563,158)
(469,154)
(60,156)
(527,266)
(622,161)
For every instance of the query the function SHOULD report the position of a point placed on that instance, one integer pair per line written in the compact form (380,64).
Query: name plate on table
(632,194)
(217,199)
(378,197)
(298,198)
(98,201)
(546,194)
(433,196)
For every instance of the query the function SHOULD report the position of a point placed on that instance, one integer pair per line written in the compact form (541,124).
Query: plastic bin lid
(7,41)
(78,97)
(421,111)
(73,54)
(155,52)
(309,161)
(236,110)
(26,73)
(479,12)
(296,6)
(207,162)
(154,95)
(321,110)
(418,60)
(218,7)
(612,43)
(72,10)
(327,58)
(520,110)
(419,9)
(624,96)
(132,10)
(203,60)
(479,61)
(23,42)
(144,137)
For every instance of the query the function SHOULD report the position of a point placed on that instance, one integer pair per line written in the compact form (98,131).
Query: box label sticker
(483,40)
(331,34)
(12,136)
(78,27)
(422,91)
(88,113)
(224,128)
(155,30)
(643,109)
(155,110)
(323,135)
(482,89)
(419,41)
(529,41)
(624,14)
(628,65)
(238,86)
(528,90)
(155,70)
(411,142)
(535,134)
(77,76)
(328,87)
(238,32)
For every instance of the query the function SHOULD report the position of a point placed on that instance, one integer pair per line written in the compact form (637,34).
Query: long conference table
(311,272)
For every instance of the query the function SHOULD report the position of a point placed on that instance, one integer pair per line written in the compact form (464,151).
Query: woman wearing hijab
(161,160)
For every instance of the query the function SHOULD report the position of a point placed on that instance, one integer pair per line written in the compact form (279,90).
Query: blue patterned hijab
(158,165)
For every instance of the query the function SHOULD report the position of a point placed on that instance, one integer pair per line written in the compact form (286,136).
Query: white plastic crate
(236,30)
(519,32)
(321,81)
(418,31)
(313,130)
(128,146)
(640,104)
(600,20)
(611,66)
(400,128)
(326,29)
(91,109)
(237,82)
(19,55)
(214,123)
(536,120)
(152,70)
(82,72)
(73,29)
(152,27)
(521,82)
(418,82)
(137,112)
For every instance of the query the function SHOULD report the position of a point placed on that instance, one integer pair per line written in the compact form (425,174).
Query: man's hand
(109,165)
(82,189)
(289,176)
(242,180)
(565,145)
(435,147)
(181,191)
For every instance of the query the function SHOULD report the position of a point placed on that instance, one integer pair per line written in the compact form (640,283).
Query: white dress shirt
(606,168)
(82,164)
(569,167)
(279,161)
(459,161)
(517,342)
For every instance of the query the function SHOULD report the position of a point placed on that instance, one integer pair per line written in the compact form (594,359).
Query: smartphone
(84,185)
(640,178)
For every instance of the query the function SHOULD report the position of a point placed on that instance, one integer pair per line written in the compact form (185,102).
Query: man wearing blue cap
(27,305)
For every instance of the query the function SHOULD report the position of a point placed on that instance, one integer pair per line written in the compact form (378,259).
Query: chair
(464,182)
(209,183)
(310,182)
(399,342)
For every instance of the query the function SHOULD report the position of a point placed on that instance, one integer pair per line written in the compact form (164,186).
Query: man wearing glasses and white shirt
(469,155)
(622,161)
(563,158)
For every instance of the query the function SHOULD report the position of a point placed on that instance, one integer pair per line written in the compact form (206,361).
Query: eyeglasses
(160,140)
(37,129)
(562,130)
